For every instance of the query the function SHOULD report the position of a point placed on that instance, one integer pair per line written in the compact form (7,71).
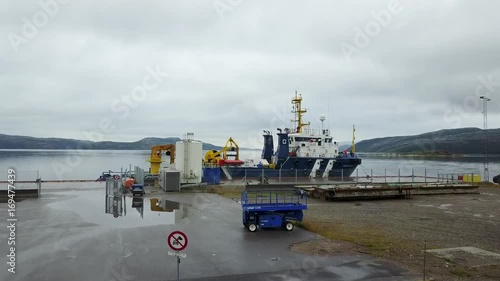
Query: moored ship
(301,152)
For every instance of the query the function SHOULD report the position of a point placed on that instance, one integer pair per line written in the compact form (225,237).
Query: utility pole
(485,127)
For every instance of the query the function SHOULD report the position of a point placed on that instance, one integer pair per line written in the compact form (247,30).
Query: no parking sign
(177,241)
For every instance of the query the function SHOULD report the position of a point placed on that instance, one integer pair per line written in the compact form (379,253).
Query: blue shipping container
(211,175)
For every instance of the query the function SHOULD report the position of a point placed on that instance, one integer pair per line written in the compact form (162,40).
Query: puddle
(122,211)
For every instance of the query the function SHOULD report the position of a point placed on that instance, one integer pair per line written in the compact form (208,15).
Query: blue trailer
(272,208)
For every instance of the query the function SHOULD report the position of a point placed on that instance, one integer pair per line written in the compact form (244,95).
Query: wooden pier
(333,193)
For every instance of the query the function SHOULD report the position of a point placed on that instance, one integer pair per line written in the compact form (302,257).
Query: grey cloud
(235,76)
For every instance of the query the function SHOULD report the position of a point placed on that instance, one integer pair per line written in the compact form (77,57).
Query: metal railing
(459,178)
(360,175)
(274,197)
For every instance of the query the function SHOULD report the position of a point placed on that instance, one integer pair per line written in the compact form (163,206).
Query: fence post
(371,175)
(399,176)
(385,175)
(39,185)
(342,175)
(357,177)
(425,176)
(412,175)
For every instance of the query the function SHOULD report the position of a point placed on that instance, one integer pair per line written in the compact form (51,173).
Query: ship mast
(298,111)
(353,147)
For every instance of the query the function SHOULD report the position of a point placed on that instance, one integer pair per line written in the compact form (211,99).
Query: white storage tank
(189,159)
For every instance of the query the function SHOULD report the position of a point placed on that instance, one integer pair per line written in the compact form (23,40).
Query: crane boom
(214,156)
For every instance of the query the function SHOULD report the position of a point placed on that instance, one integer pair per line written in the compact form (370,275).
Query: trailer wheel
(252,227)
(289,226)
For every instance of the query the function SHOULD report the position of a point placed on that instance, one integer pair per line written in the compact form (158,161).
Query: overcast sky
(133,69)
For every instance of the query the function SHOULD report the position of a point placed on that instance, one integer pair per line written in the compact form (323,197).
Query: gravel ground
(397,230)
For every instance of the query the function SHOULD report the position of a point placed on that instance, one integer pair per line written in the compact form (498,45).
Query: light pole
(485,125)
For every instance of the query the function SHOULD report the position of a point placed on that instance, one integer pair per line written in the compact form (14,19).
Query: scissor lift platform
(272,208)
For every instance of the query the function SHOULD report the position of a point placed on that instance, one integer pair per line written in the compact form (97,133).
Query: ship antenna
(353,147)
(322,118)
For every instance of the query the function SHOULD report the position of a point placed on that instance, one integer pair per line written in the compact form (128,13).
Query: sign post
(177,241)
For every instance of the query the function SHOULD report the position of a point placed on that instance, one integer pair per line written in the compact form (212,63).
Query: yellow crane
(156,153)
(214,156)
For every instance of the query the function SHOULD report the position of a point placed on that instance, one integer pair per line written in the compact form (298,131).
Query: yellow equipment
(471,178)
(214,156)
(155,159)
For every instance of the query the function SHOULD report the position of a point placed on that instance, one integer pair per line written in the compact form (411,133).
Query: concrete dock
(66,234)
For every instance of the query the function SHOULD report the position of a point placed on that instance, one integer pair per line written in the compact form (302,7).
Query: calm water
(89,164)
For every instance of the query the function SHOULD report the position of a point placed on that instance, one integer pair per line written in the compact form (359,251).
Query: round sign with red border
(177,241)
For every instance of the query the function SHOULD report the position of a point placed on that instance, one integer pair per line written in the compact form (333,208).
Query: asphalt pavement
(80,235)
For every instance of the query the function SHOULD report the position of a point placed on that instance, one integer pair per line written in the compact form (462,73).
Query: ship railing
(311,132)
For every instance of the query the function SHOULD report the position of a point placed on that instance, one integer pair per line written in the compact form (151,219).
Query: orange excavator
(156,153)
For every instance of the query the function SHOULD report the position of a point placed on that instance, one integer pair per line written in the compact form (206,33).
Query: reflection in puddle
(163,205)
(122,211)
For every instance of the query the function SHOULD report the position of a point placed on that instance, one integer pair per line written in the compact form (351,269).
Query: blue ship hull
(297,167)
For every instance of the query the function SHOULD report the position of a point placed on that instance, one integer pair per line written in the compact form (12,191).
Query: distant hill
(23,142)
(451,141)
(343,147)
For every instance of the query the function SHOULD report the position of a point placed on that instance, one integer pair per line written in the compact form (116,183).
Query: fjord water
(89,164)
